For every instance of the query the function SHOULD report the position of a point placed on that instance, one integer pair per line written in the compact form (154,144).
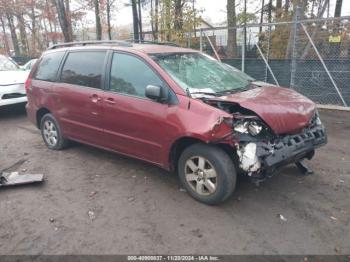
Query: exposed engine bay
(260,150)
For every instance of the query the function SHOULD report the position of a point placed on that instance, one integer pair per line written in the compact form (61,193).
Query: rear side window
(47,69)
(84,68)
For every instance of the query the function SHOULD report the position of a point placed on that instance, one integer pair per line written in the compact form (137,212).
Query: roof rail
(151,42)
(93,42)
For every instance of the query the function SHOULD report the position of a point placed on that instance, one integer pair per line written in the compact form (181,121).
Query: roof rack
(151,42)
(93,42)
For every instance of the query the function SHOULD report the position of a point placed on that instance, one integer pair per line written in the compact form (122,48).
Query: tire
(197,179)
(51,133)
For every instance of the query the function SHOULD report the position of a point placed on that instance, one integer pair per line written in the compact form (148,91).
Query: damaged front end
(261,152)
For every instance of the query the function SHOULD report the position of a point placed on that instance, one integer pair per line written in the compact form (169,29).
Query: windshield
(7,65)
(200,74)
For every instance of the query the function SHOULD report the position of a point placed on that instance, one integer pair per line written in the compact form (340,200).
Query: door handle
(95,98)
(110,100)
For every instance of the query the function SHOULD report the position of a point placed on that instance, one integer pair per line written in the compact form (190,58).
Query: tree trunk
(109,29)
(278,9)
(140,19)
(194,18)
(13,34)
(33,47)
(231,36)
(62,17)
(269,11)
(22,34)
(152,21)
(156,18)
(135,20)
(261,15)
(69,17)
(314,33)
(98,20)
(338,7)
(178,16)
(6,42)
(49,18)
(168,20)
(286,7)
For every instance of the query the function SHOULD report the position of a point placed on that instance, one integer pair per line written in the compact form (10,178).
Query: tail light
(28,84)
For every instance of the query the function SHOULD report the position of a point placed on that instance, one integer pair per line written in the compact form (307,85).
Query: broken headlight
(251,127)
(318,119)
(315,120)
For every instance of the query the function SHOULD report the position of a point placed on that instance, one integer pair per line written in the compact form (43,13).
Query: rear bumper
(12,94)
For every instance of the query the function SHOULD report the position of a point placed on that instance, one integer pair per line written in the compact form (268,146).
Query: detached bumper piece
(13,178)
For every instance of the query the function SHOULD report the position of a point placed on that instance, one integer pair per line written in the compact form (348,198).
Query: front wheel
(207,173)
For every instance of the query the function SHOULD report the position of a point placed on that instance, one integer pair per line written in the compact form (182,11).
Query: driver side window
(130,75)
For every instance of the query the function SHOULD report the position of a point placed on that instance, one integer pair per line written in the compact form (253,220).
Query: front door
(134,124)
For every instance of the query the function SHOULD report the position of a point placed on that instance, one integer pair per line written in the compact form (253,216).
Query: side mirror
(157,93)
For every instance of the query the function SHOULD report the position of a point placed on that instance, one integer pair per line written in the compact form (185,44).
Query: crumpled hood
(13,77)
(283,109)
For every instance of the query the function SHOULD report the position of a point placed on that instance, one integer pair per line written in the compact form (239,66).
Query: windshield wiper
(203,93)
(234,90)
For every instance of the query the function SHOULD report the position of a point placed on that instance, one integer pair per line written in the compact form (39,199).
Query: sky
(213,10)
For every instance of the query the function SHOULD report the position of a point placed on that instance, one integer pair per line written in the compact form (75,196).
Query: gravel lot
(138,208)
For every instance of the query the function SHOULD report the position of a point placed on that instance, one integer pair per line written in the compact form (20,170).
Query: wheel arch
(182,143)
(39,115)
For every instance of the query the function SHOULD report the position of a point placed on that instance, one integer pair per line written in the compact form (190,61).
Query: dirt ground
(137,208)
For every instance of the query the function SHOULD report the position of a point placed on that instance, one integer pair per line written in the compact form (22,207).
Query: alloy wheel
(201,175)
(50,133)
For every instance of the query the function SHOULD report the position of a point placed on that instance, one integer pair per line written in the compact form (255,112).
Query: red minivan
(174,107)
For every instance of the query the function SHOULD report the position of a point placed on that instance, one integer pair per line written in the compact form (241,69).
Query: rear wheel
(207,172)
(51,133)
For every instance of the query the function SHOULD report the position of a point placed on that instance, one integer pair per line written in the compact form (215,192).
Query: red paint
(283,109)
(146,129)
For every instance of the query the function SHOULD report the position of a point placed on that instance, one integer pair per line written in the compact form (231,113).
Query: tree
(14,38)
(140,19)
(66,27)
(135,20)
(278,9)
(178,22)
(98,20)
(231,23)
(154,18)
(109,5)
(7,49)
(261,15)
(338,7)
(321,11)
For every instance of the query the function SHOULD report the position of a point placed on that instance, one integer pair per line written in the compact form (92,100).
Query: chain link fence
(311,56)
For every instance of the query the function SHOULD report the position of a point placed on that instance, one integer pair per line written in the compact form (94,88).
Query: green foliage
(174,22)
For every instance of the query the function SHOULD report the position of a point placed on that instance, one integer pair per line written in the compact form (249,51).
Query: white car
(28,66)
(12,79)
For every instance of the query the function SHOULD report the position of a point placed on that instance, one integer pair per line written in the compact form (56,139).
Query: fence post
(294,48)
(201,40)
(268,54)
(243,49)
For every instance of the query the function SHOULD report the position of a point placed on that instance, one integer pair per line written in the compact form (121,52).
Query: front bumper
(268,156)
(291,148)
